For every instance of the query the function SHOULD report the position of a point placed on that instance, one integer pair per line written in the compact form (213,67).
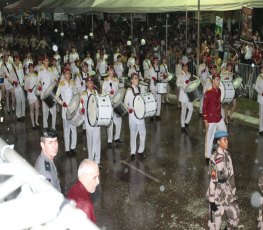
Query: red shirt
(81,196)
(212,105)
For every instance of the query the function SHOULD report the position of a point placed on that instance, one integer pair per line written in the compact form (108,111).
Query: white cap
(143,42)
(128,43)
(55,48)
(86,37)
(91,34)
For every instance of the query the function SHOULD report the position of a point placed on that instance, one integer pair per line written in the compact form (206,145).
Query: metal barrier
(38,204)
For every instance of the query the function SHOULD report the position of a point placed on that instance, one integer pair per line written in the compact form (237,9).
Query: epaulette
(41,68)
(72,82)
(62,83)
(107,79)
(84,93)
(50,69)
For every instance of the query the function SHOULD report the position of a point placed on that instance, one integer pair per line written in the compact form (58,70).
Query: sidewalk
(241,117)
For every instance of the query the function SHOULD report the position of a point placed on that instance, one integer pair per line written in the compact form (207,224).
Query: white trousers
(135,128)
(184,118)
(69,127)
(260,117)
(93,142)
(46,110)
(209,138)
(117,121)
(20,103)
(158,98)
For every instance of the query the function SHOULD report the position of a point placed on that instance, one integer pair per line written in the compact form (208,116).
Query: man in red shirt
(88,179)
(212,114)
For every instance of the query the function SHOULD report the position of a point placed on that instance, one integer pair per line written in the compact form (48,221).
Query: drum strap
(138,71)
(157,71)
(166,70)
(16,74)
(6,68)
(134,91)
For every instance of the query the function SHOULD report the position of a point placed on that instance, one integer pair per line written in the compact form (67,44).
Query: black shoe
(260,133)
(200,114)
(158,118)
(142,155)
(186,125)
(37,126)
(151,119)
(68,153)
(230,119)
(183,129)
(83,131)
(23,119)
(118,141)
(133,157)
(109,145)
(34,127)
(19,119)
(73,152)
(207,160)
(8,111)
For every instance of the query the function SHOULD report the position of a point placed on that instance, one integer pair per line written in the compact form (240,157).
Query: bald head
(88,174)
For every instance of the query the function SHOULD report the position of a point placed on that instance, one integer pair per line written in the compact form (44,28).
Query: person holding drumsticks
(66,89)
(212,115)
(110,87)
(136,125)
(259,89)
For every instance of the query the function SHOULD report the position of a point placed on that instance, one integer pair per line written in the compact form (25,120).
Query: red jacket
(81,196)
(212,105)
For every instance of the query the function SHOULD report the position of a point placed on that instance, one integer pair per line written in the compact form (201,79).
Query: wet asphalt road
(166,190)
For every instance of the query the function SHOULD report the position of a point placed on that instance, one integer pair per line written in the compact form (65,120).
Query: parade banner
(246,24)
(219,26)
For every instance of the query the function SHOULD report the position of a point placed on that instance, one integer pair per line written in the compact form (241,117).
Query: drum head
(139,106)
(92,109)
(192,86)
(118,97)
(92,73)
(48,91)
(73,107)
(237,82)
(143,83)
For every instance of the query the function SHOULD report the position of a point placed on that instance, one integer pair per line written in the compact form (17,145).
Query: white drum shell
(143,87)
(100,110)
(75,117)
(227,91)
(144,105)
(161,87)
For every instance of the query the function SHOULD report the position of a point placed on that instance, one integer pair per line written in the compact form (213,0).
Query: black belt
(221,181)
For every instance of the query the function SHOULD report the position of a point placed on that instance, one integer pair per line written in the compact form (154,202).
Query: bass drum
(48,96)
(194,90)
(227,91)
(119,107)
(100,111)
(144,105)
(73,111)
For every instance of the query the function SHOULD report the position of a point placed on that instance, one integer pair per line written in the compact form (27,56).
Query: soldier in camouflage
(222,189)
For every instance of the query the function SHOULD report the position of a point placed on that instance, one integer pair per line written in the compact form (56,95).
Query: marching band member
(147,66)
(88,60)
(182,81)
(118,67)
(164,74)
(66,89)
(110,87)
(155,78)
(212,115)
(39,64)
(66,57)
(203,73)
(57,56)
(28,60)
(45,79)
(131,60)
(73,57)
(136,125)
(81,78)
(101,67)
(136,69)
(54,68)
(9,89)
(17,78)
(259,89)
(92,133)
(30,84)
(116,54)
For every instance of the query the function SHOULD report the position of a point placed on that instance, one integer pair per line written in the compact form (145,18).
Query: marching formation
(91,94)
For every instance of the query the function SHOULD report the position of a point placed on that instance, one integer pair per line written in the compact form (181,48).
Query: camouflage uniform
(221,191)
(260,213)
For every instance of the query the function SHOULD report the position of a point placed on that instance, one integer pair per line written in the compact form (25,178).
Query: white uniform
(183,98)
(155,73)
(92,133)
(118,67)
(135,69)
(102,66)
(26,62)
(203,73)
(46,78)
(80,81)
(146,68)
(31,80)
(226,75)
(136,125)
(17,74)
(112,85)
(130,62)
(259,89)
(66,91)
(90,63)
(73,56)
(164,72)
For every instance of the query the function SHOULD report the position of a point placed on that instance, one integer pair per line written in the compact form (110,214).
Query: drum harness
(15,73)
(157,72)
(135,94)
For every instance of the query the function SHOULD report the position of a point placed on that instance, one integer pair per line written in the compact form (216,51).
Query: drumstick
(195,77)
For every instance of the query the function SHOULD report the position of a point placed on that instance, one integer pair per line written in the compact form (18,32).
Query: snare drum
(92,73)
(103,76)
(143,87)
(100,111)
(73,111)
(227,91)
(161,87)
(48,96)
(2,80)
(117,100)
(238,86)
(194,90)
(144,105)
